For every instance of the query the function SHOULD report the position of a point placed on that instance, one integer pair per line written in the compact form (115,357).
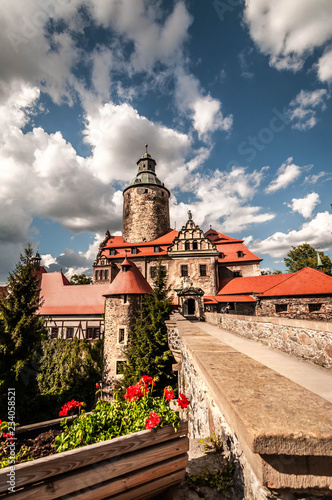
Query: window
(195,245)
(93,333)
(121,335)
(112,251)
(237,274)
(240,254)
(134,251)
(314,307)
(202,270)
(70,333)
(125,299)
(97,275)
(187,245)
(146,190)
(222,255)
(119,367)
(106,274)
(153,271)
(54,332)
(281,308)
(184,270)
(156,249)
(101,274)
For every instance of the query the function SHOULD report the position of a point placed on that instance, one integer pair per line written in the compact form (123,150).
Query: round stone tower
(145,204)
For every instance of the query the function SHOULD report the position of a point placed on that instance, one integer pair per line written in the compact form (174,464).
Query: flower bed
(135,465)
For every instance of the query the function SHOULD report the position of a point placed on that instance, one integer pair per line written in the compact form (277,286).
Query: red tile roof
(61,298)
(128,281)
(252,284)
(229,247)
(307,281)
(144,247)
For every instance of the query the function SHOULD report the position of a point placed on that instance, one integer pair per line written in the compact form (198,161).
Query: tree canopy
(80,279)
(21,332)
(306,256)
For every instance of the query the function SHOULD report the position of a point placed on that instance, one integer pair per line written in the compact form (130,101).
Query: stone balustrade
(278,433)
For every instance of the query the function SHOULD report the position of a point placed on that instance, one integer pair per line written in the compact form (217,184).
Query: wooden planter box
(135,466)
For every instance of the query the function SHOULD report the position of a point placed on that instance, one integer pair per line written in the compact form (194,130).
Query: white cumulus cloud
(288,31)
(306,205)
(303,109)
(286,174)
(316,232)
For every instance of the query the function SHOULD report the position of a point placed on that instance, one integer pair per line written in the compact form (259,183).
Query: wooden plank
(134,480)
(43,468)
(66,484)
(151,489)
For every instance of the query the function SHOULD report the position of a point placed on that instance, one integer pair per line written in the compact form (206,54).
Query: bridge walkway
(312,377)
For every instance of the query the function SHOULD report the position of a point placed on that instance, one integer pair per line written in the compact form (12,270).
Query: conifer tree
(148,352)
(21,331)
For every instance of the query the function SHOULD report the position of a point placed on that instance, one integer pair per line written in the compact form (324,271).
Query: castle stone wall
(309,340)
(145,213)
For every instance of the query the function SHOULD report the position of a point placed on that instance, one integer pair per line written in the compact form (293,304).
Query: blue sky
(233,98)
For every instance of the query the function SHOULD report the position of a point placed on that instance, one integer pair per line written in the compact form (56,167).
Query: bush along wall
(68,370)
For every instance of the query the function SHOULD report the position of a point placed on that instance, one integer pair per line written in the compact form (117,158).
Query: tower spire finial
(146,148)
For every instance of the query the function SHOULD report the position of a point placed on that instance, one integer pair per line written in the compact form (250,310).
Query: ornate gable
(191,242)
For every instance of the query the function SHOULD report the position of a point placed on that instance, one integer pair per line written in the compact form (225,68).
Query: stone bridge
(279,433)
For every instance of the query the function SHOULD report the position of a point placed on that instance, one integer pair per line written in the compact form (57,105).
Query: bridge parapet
(279,433)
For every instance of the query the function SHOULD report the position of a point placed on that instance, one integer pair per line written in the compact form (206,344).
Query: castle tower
(123,299)
(145,204)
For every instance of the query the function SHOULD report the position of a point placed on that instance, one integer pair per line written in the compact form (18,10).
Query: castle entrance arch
(191,305)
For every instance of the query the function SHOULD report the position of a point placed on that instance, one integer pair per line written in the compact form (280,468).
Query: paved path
(312,377)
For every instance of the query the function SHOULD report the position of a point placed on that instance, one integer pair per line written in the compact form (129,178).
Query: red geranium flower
(68,407)
(146,379)
(9,436)
(97,386)
(134,392)
(153,421)
(168,394)
(182,401)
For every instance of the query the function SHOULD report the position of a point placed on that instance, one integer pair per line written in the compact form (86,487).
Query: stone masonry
(120,313)
(145,213)
(304,339)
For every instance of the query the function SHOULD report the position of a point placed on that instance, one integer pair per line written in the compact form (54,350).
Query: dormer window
(240,254)
(134,251)
(222,255)
(156,249)
(112,251)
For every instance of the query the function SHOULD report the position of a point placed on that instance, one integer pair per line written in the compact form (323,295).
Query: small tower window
(120,367)
(121,335)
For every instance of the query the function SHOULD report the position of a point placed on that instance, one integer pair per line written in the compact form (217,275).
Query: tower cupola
(145,204)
